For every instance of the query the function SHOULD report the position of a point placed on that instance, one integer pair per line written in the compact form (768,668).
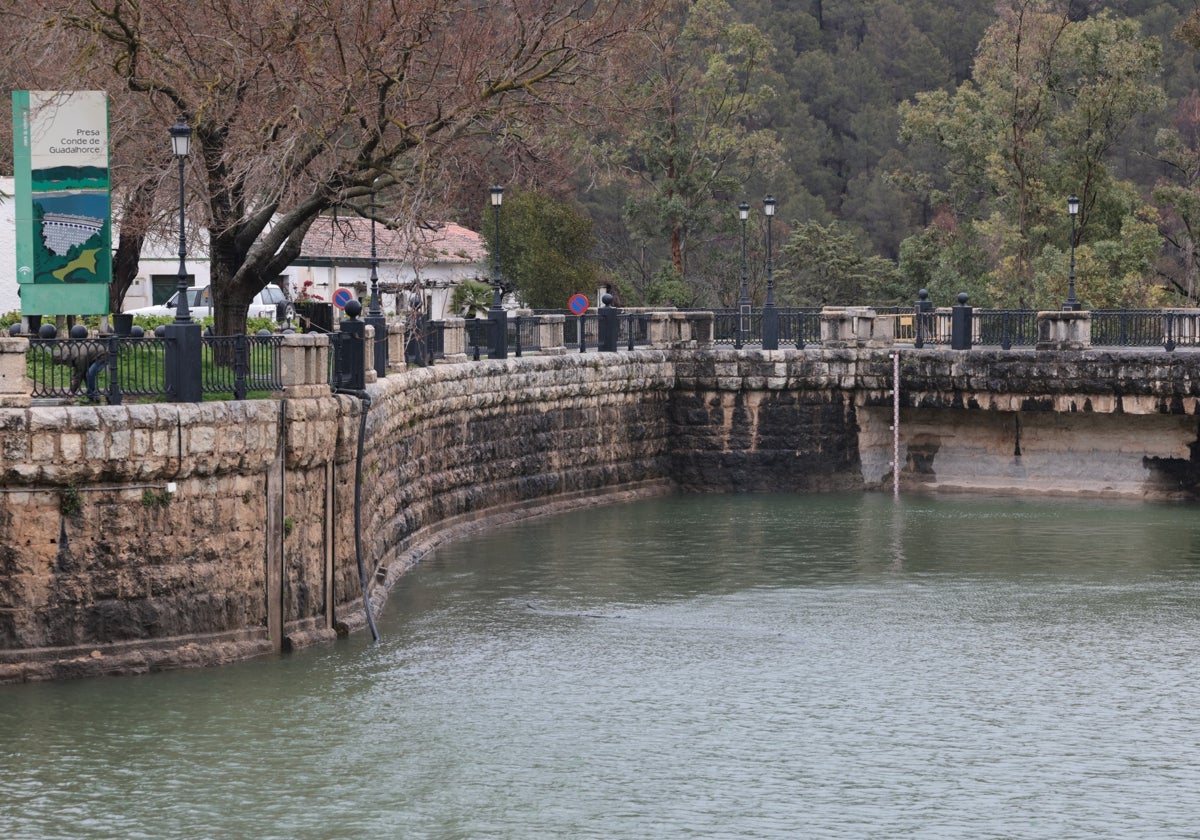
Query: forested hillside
(910,143)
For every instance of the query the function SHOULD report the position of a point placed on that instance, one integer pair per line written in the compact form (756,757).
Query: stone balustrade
(304,360)
(856,326)
(14,389)
(1064,330)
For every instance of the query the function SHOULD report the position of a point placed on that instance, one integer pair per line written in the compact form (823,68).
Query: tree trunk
(137,212)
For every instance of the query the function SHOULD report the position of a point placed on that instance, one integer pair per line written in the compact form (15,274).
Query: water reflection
(747,666)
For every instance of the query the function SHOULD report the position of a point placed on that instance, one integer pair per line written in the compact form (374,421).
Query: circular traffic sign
(578,304)
(342,296)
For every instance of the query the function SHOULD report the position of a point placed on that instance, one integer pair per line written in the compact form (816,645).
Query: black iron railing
(1142,328)
(114,368)
(58,368)
(1006,327)
(135,367)
(241,364)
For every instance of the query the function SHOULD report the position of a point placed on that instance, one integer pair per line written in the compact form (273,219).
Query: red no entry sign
(578,304)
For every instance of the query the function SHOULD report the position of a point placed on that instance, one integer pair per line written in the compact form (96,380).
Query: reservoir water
(718,667)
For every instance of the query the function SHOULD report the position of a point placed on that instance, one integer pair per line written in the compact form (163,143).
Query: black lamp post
(770,326)
(181,147)
(1071,303)
(497,315)
(182,357)
(744,298)
(375,317)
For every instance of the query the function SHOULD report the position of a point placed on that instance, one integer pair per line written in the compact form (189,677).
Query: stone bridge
(140,537)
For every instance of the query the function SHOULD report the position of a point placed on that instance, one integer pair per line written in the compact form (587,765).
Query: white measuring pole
(896,424)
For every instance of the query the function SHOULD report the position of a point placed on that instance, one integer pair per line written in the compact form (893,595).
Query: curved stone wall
(154,536)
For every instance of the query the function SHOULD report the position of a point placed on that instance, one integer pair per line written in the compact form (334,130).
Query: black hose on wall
(358,472)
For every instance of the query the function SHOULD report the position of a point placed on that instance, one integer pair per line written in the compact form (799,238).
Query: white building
(10,301)
(337,253)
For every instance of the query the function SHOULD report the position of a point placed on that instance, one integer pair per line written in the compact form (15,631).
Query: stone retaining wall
(154,536)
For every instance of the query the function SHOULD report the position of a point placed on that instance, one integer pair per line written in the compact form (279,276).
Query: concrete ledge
(136,657)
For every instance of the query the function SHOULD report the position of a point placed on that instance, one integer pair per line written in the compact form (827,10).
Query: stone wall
(1096,423)
(153,536)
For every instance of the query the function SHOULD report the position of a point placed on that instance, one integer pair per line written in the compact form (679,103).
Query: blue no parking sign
(342,296)
(578,304)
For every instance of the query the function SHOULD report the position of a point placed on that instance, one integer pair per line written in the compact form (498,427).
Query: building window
(162,286)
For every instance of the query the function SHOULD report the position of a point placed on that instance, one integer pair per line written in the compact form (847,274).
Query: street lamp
(183,351)
(375,317)
(743,329)
(770,326)
(1071,303)
(497,315)
(181,146)
(374,308)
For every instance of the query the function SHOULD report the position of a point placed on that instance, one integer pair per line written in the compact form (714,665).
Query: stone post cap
(1065,315)
(305,339)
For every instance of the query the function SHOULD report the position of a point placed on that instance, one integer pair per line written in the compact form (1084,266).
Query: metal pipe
(358,472)
(896,425)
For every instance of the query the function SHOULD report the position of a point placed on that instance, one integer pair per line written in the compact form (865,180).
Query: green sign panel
(64,218)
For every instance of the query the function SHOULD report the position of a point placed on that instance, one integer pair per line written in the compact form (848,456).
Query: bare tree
(300,108)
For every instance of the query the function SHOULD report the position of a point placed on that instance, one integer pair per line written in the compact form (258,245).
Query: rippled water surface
(734,667)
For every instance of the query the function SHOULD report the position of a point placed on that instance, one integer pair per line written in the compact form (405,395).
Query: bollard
(921,315)
(351,357)
(609,326)
(960,324)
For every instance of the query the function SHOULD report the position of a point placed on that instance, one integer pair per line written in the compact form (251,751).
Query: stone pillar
(14,390)
(701,328)
(681,330)
(395,340)
(454,339)
(550,334)
(305,362)
(369,373)
(1064,330)
(659,330)
(856,326)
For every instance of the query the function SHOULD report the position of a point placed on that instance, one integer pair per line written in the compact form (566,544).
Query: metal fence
(241,364)
(1006,327)
(116,368)
(57,368)
(798,325)
(1144,328)
(1003,328)
(135,367)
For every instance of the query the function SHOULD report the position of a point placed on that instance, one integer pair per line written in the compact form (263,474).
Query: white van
(264,305)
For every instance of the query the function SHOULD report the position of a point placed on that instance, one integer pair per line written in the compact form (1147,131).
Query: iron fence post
(351,374)
(960,324)
(240,366)
(608,325)
(114,386)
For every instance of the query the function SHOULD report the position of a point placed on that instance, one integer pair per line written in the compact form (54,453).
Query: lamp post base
(770,328)
(182,370)
(498,326)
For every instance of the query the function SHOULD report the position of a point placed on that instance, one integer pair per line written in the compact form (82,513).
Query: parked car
(271,302)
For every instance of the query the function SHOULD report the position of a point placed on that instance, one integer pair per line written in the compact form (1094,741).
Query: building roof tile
(349,238)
